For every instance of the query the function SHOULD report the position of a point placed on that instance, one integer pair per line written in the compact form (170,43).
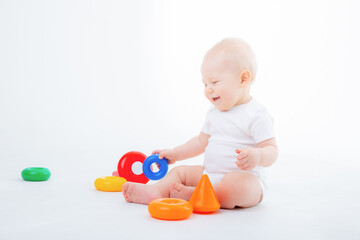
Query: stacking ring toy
(125,165)
(35,174)
(110,184)
(170,209)
(163,167)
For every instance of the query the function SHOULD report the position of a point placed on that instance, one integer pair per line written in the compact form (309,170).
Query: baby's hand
(247,158)
(166,153)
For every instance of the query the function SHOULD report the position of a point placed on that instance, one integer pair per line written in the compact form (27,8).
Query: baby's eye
(215,82)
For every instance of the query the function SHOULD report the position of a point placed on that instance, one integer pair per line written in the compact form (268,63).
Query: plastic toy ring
(170,209)
(35,174)
(163,167)
(125,167)
(110,184)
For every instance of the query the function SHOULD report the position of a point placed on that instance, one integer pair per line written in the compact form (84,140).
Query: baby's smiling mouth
(215,98)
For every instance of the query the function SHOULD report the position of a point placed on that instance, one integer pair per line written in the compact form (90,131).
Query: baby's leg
(239,189)
(145,193)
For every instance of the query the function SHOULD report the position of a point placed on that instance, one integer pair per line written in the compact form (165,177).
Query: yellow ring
(109,184)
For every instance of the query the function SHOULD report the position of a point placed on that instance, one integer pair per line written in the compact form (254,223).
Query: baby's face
(222,85)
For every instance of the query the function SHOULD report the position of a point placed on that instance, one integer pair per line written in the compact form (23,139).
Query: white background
(83,82)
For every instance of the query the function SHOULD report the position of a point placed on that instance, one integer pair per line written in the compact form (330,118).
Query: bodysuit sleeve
(206,127)
(262,126)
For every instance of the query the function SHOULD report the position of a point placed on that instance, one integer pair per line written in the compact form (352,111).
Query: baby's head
(228,70)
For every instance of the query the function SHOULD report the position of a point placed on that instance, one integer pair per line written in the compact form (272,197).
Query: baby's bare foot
(181,191)
(139,193)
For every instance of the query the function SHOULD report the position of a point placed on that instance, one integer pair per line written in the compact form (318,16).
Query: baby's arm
(194,147)
(264,155)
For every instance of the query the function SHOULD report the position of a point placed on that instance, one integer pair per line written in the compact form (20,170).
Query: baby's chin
(219,104)
(222,108)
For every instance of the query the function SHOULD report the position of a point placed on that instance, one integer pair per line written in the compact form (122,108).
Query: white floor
(317,202)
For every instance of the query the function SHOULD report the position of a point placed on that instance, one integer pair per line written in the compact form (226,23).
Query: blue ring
(163,164)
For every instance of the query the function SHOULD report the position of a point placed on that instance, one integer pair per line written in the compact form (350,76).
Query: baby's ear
(245,77)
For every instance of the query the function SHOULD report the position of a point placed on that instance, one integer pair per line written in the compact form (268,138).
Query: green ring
(35,174)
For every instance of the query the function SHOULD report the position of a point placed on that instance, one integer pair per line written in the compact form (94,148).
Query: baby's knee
(239,189)
(189,175)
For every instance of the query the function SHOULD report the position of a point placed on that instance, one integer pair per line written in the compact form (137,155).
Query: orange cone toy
(203,198)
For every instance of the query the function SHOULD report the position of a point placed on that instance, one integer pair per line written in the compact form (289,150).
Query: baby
(237,137)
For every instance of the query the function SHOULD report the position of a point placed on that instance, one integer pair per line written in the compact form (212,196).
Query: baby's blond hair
(237,53)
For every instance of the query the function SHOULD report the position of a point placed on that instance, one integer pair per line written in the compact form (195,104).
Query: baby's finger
(245,168)
(170,161)
(242,162)
(237,151)
(242,166)
(163,154)
(243,154)
(156,151)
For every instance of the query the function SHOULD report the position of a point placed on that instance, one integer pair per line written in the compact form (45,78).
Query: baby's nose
(210,90)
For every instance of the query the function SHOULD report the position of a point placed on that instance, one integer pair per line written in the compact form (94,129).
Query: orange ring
(170,209)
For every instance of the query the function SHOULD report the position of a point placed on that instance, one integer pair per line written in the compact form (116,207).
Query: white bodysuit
(242,126)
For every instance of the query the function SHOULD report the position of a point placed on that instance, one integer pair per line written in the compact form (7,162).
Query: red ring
(125,164)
